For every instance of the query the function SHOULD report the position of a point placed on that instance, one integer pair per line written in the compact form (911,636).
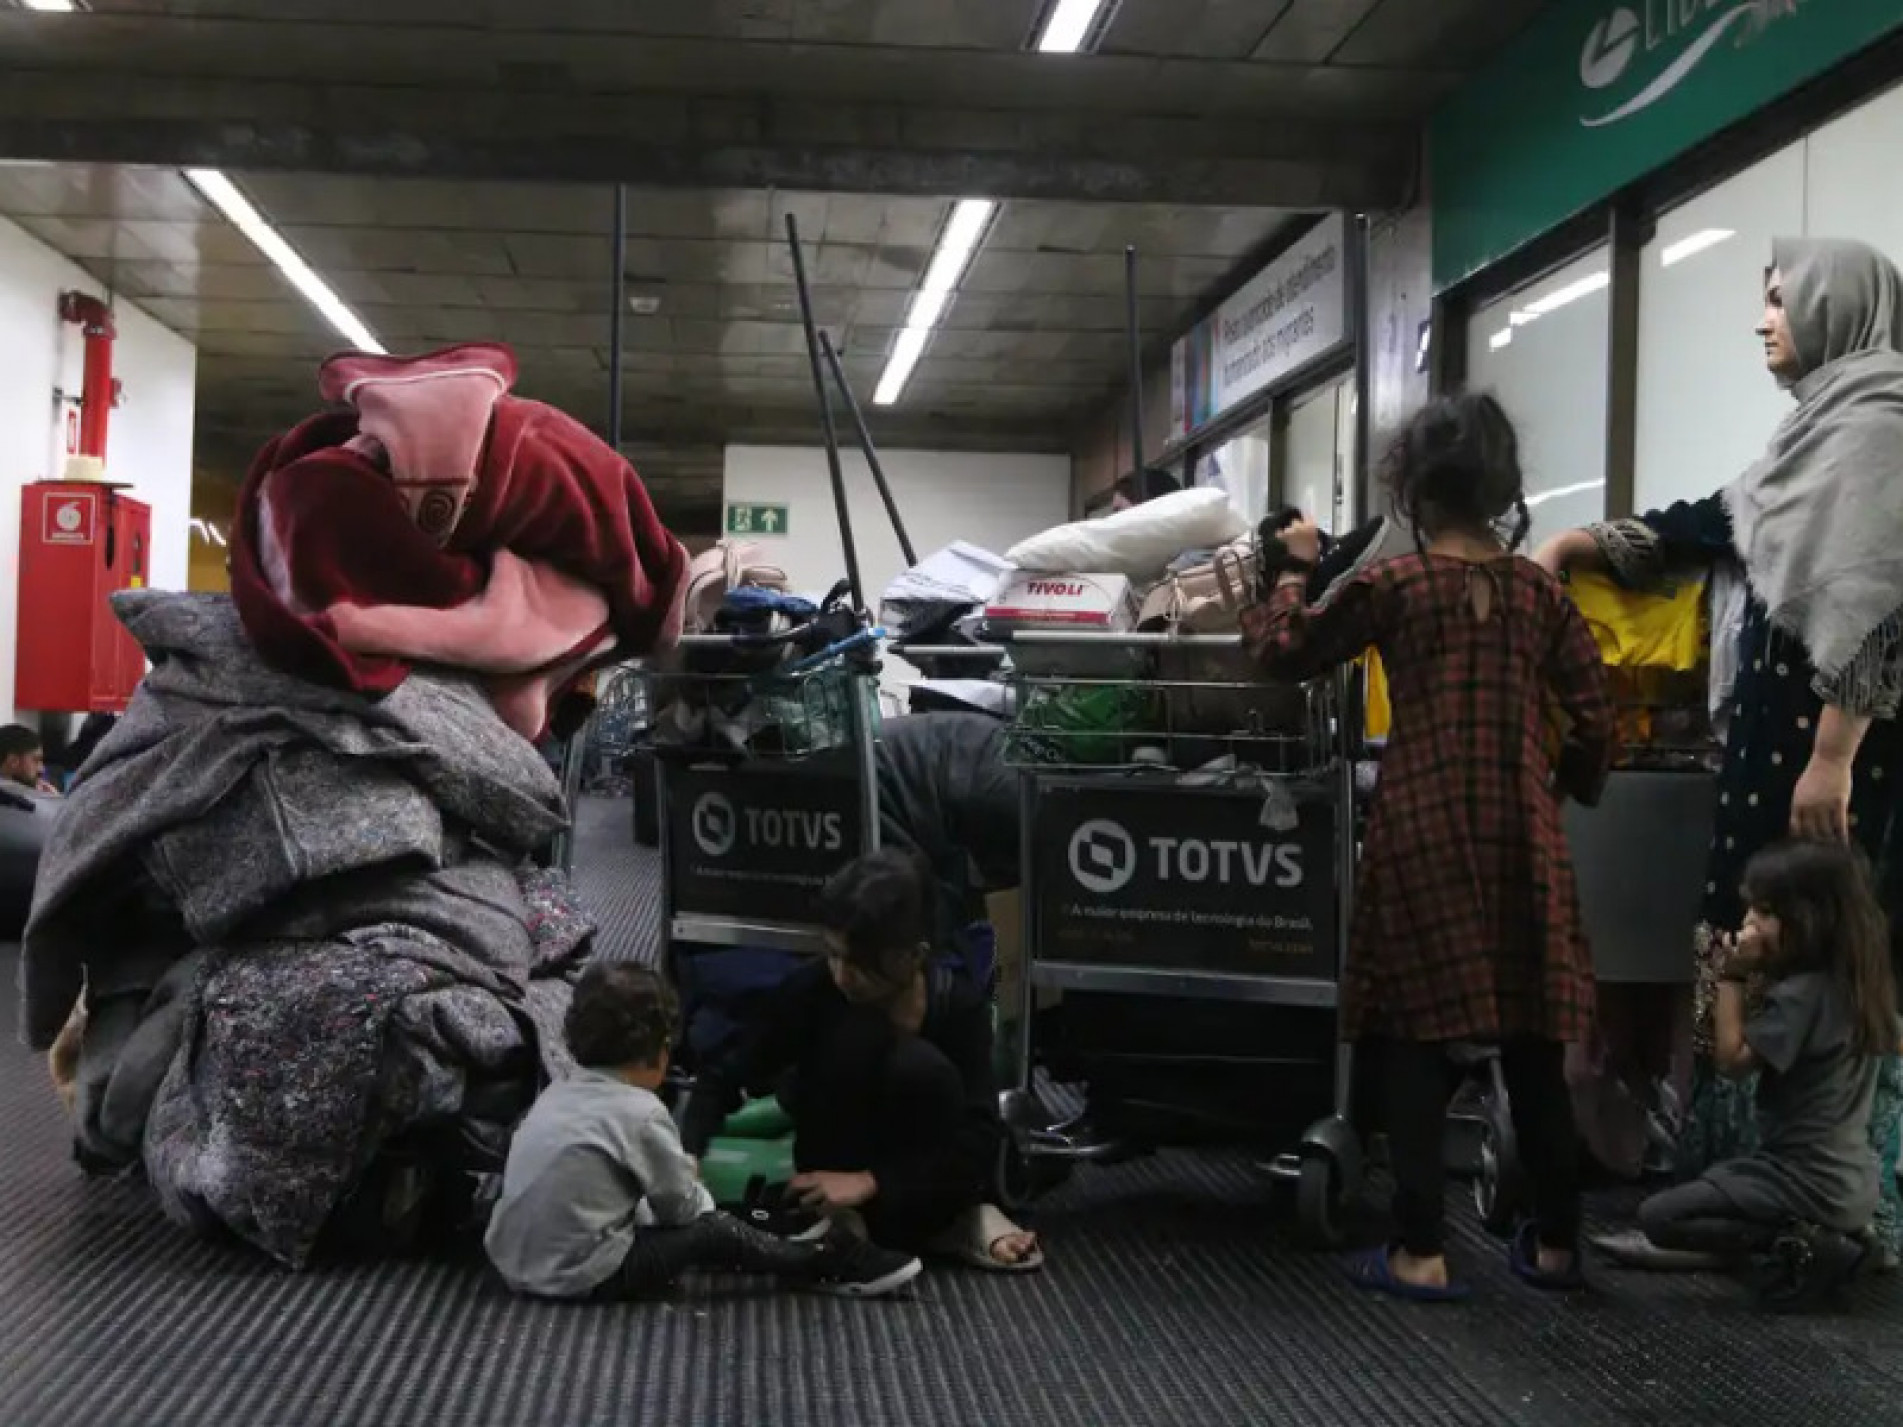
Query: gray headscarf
(1819,519)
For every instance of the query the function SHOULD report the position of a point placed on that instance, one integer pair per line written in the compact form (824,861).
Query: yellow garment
(1636,631)
(1380,713)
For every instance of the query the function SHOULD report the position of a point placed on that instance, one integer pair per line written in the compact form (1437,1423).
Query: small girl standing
(1816,945)
(1466,921)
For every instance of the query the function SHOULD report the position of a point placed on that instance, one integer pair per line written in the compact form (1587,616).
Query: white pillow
(1139,542)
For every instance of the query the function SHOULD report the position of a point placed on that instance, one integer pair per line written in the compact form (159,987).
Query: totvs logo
(719,828)
(1105,859)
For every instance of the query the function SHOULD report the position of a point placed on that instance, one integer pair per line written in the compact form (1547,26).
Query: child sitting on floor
(599,1200)
(1815,939)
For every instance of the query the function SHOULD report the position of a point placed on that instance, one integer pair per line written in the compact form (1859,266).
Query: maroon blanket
(440,520)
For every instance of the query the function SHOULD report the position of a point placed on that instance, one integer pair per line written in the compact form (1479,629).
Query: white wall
(149,446)
(992,501)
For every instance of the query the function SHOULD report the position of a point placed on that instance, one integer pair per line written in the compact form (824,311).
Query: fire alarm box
(80,543)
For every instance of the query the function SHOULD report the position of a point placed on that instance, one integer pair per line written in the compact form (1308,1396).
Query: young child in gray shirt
(598,1198)
(1816,942)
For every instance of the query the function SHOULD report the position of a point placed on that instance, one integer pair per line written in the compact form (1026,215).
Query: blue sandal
(1373,1270)
(1524,1259)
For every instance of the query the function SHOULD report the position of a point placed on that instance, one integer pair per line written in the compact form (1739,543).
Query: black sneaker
(851,1267)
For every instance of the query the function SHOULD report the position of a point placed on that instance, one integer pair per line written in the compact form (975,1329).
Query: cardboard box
(1086,604)
(1103,604)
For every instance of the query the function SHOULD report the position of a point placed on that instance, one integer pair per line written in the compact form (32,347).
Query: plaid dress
(1466,919)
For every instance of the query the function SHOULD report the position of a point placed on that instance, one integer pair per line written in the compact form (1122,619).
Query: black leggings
(1419,1083)
(1700,1218)
(713,1243)
(870,1095)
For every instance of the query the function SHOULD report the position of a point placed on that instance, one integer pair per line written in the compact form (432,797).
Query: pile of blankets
(289,944)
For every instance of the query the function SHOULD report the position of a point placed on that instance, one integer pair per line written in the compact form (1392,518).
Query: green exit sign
(756,520)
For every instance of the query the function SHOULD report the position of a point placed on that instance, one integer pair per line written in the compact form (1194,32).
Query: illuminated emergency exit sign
(756,520)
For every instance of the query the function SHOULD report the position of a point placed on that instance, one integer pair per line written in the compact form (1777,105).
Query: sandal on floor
(1629,1248)
(1524,1259)
(973,1240)
(1373,1270)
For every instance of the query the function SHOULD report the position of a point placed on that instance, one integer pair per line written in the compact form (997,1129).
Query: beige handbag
(728,565)
(1209,599)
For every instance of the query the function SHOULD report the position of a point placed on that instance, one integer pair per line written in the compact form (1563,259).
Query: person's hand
(1562,552)
(1820,808)
(1303,541)
(827,1190)
(47,788)
(1740,954)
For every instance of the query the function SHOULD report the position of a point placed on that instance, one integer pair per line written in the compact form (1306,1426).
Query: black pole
(1136,364)
(617,315)
(830,435)
(865,445)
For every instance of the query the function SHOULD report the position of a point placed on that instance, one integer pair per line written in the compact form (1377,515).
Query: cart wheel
(1320,1202)
(1021,1179)
(1499,1188)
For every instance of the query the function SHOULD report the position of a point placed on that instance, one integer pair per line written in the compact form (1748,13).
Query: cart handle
(1107,640)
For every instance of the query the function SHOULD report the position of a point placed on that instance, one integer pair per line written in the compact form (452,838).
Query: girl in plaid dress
(1466,924)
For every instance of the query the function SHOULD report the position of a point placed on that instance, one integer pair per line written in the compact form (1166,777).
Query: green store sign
(1598,94)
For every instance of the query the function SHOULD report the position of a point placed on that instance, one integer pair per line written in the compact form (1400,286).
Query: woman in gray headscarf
(1808,655)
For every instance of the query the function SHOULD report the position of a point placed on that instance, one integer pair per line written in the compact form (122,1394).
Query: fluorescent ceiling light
(963,232)
(1692,246)
(1502,338)
(1068,25)
(957,243)
(898,367)
(223,194)
(51,6)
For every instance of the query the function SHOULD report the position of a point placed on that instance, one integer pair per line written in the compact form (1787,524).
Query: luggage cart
(752,827)
(1200,846)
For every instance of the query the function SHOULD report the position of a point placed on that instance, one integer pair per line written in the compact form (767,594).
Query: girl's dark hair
(880,910)
(622,1014)
(1825,901)
(1457,463)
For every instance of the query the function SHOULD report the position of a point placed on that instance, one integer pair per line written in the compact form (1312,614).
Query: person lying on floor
(1807,1003)
(600,1201)
(891,1088)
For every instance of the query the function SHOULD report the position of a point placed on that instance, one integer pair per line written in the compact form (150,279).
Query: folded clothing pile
(295,924)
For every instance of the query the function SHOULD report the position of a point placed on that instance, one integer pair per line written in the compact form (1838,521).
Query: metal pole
(1135,336)
(827,431)
(865,445)
(617,315)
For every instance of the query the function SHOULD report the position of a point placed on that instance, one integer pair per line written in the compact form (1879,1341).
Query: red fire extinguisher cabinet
(80,543)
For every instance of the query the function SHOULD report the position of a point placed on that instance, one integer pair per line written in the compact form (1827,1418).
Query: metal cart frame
(1326,1166)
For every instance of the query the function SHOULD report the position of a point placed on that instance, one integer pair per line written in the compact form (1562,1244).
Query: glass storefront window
(1705,404)
(1542,352)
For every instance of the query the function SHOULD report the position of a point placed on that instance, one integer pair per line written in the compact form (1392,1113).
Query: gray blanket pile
(303,931)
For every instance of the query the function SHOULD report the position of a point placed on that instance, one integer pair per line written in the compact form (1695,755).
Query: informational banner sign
(1176,880)
(753,846)
(1287,315)
(1596,94)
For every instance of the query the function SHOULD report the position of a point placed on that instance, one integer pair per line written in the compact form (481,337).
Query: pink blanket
(439,520)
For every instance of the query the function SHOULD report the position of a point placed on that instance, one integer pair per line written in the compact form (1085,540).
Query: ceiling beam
(703,141)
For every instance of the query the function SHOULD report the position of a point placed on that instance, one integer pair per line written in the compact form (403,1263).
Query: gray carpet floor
(1174,1295)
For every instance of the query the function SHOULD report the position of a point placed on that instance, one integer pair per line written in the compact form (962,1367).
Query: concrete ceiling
(445,164)
(1030,347)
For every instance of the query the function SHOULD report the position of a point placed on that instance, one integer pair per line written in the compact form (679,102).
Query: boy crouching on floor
(599,1200)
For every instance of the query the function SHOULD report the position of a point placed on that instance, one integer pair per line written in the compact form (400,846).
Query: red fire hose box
(80,543)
